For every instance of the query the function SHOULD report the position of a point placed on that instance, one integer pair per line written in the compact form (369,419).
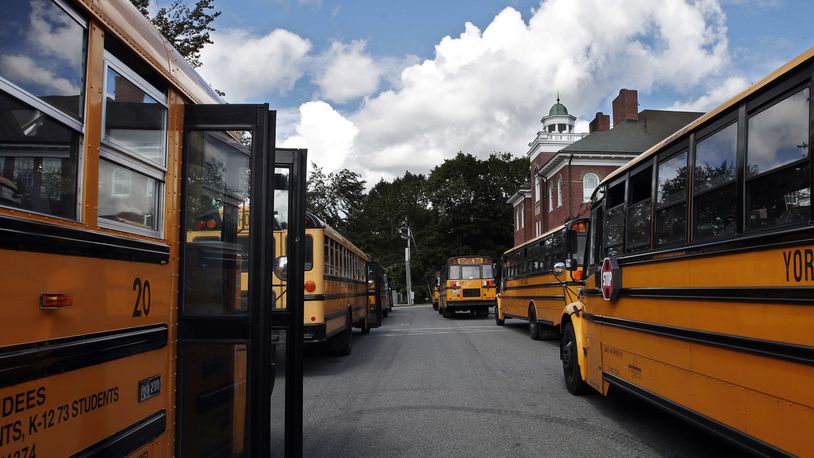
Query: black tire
(499,321)
(570,361)
(384,313)
(534,326)
(342,343)
(446,313)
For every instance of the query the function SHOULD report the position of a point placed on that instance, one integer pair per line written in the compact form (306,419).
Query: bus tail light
(310,286)
(55,301)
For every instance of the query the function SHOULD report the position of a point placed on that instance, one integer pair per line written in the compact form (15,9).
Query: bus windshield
(470,272)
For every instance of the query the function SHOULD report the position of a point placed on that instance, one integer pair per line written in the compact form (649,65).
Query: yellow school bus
(336,286)
(700,280)
(467,284)
(122,176)
(377,291)
(529,289)
(436,283)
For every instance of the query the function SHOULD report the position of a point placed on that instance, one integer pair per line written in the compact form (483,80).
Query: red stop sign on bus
(611,279)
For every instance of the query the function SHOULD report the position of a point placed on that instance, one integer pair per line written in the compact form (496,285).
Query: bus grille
(471,292)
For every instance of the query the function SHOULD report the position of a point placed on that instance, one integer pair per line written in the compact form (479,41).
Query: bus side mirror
(280,267)
(571,264)
(559,268)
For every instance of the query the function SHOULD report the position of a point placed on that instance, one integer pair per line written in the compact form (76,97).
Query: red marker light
(210,224)
(55,301)
(310,286)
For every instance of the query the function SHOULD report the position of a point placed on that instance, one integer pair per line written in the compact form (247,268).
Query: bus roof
(539,237)
(786,68)
(123,20)
(313,222)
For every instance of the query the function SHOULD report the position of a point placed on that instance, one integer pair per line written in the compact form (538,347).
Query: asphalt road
(424,386)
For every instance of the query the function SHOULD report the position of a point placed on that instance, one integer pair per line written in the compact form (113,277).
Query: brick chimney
(600,123)
(625,106)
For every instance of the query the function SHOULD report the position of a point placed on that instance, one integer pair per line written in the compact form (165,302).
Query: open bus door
(226,365)
(287,311)
(375,309)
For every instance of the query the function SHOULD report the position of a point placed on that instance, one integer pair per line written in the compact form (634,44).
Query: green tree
(186,28)
(458,209)
(336,198)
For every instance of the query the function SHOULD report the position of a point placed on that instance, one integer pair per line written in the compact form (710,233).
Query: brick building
(562,179)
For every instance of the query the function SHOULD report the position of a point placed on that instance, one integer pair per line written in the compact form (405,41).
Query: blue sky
(352,79)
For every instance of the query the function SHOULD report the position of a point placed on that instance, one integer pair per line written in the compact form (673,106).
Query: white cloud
(24,69)
(347,72)
(325,132)
(716,96)
(248,66)
(485,90)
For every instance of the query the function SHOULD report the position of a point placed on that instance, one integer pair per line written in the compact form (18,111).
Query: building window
(134,151)
(537,188)
(589,183)
(521,216)
(42,80)
(550,198)
(559,192)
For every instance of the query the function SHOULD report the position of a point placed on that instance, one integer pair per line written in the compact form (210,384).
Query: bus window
(454,272)
(778,183)
(615,220)
(638,215)
(671,200)
(487,271)
(470,272)
(714,186)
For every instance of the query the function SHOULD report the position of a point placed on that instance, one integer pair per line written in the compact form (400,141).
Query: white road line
(452,327)
(424,333)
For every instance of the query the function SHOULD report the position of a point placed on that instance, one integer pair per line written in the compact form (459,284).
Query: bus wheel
(570,361)
(385,312)
(341,344)
(498,320)
(366,325)
(446,313)
(534,326)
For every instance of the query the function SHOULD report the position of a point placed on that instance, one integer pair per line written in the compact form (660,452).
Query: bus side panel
(106,295)
(772,419)
(71,412)
(110,298)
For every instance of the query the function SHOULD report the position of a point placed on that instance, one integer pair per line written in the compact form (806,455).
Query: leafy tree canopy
(458,209)
(186,28)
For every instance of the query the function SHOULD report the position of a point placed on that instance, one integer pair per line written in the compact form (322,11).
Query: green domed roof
(557,109)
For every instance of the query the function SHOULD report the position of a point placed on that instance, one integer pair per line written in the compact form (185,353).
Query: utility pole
(407,267)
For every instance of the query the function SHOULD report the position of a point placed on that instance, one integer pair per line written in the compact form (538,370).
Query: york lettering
(799,265)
